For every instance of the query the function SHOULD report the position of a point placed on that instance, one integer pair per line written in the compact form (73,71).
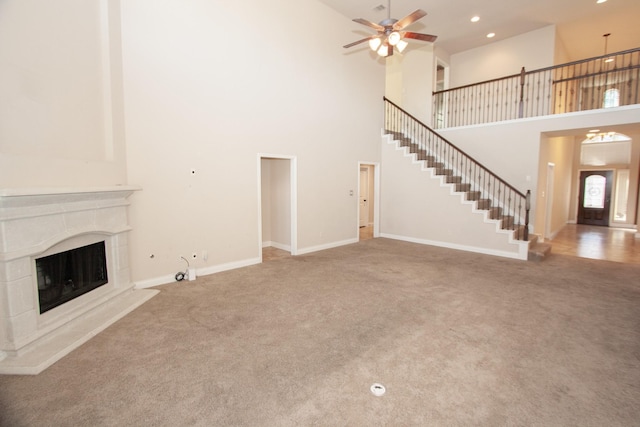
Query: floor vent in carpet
(378,389)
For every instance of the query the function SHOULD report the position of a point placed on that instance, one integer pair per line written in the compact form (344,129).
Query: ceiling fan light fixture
(384,50)
(375,43)
(394,38)
(391,33)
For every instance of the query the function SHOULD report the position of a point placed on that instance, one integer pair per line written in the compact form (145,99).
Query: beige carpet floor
(456,338)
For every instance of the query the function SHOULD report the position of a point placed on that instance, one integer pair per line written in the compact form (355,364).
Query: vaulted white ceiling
(580,23)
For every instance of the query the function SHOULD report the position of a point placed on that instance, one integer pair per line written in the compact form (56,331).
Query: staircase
(476,185)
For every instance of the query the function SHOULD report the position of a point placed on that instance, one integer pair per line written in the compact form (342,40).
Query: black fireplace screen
(67,275)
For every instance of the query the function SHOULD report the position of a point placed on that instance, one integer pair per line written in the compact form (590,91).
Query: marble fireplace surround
(39,222)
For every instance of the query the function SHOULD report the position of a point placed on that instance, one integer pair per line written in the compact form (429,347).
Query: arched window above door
(611,98)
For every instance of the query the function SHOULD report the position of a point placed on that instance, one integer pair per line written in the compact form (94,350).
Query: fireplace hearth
(64,271)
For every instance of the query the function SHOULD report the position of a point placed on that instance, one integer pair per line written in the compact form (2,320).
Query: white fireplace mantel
(37,221)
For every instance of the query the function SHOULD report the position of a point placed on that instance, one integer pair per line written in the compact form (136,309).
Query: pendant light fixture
(606,39)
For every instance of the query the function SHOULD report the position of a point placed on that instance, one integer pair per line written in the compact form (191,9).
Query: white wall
(410,79)
(558,150)
(61,116)
(393,79)
(532,50)
(418,69)
(417,207)
(561,55)
(208,85)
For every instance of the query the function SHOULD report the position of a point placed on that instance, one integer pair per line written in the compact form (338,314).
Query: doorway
(441,83)
(549,199)
(595,197)
(277,203)
(368,200)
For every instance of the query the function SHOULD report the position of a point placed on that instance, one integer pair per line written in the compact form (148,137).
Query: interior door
(364,197)
(595,197)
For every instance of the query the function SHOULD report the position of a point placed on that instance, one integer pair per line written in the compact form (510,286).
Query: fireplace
(66,275)
(64,271)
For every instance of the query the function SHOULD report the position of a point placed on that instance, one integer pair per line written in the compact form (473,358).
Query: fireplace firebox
(69,274)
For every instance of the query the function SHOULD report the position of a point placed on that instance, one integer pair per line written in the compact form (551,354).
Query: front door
(595,197)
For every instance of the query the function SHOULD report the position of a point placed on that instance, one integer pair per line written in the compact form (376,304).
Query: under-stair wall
(419,206)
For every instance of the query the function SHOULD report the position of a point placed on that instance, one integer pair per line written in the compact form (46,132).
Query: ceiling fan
(391,33)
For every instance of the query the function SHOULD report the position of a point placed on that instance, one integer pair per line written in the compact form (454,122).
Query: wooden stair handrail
(454,146)
(398,121)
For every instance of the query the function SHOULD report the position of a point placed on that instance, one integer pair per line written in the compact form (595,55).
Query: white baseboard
(277,246)
(156,281)
(522,255)
(326,246)
(228,266)
(163,280)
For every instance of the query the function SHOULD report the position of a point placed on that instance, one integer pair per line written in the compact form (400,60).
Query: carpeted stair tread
(483,204)
(463,187)
(444,171)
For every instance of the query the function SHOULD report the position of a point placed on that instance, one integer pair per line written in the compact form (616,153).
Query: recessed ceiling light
(475,19)
(491,35)
(594,130)
(601,1)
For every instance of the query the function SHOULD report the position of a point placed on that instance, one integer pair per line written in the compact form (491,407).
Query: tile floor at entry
(592,241)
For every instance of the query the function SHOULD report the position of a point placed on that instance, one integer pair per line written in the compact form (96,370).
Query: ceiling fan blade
(360,41)
(419,36)
(369,24)
(409,19)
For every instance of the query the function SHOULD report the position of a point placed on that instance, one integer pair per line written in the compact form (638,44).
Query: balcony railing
(602,82)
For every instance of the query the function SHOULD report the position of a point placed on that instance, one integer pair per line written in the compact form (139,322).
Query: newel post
(521,105)
(527,207)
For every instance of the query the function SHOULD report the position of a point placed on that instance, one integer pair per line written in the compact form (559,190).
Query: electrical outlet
(205,255)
